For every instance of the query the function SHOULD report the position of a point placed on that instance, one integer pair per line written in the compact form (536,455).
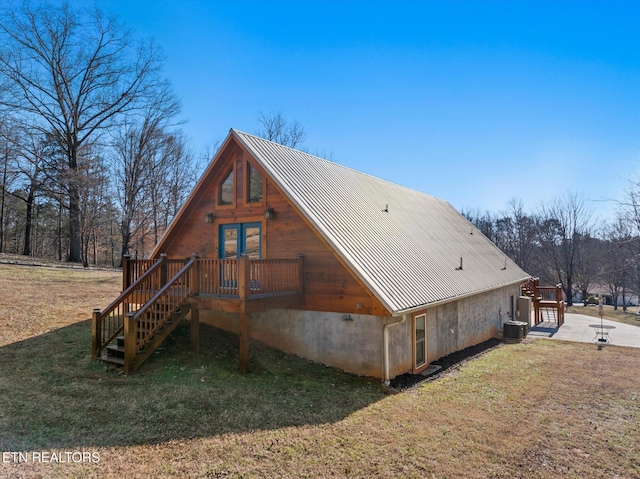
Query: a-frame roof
(405,246)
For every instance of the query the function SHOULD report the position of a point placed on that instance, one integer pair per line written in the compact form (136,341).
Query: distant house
(319,260)
(630,298)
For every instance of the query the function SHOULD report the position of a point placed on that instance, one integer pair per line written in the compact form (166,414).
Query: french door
(240,238)
(236,240)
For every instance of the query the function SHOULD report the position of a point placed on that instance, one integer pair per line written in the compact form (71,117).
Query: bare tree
(141,152)
(629,209)
(276,128)
(8,172)
(614,271)
(30,166)
(566,222)
(73,73)
(172,181)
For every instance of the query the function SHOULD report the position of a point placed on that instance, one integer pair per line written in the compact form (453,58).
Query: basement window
(226,190)
(420,338)
(254,185)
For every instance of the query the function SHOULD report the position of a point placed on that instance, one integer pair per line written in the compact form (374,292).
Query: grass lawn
(536,409)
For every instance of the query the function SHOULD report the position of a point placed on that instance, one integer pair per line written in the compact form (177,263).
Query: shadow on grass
(53,396)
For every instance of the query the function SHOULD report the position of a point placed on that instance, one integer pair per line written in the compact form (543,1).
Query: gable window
(254,186)
(420,341)
(226,190)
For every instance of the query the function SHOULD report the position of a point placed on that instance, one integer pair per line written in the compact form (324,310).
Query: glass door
(240,238)
(234,241)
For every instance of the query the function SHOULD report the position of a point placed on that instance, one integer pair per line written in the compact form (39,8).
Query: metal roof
(403,244)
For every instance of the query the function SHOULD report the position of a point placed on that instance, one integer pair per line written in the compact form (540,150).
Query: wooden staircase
(159,293)
(140,319)
(548,302)
(549,315)
(114,352)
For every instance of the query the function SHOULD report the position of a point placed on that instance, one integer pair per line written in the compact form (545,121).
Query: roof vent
(459,268)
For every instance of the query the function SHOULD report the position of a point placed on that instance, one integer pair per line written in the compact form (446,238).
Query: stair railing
(109,323)
(140,326)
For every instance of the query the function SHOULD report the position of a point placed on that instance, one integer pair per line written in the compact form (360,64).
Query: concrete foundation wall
(453,327)
(469,321)
(354,346)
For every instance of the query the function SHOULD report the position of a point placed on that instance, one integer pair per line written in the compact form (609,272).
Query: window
(254,185)
(420,336)
(226,190)
(252,240)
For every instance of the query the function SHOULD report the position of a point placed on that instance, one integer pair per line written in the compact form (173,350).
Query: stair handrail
(127,292)
(98,341)
(173,302)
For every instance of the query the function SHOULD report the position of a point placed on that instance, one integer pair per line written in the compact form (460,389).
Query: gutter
(385,347)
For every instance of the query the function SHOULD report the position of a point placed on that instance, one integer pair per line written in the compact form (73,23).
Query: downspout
(385,347)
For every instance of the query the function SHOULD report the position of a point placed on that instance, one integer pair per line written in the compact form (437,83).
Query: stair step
(111,359)
(115,351)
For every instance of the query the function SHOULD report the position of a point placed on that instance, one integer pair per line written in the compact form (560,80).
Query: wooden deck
(159,293)
(548,301)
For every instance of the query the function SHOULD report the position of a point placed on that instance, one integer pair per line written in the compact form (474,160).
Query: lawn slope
(536,409)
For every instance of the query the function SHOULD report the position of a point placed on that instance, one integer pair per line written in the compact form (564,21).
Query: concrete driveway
(579,327)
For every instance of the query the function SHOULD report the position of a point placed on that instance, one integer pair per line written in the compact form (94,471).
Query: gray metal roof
(407,255)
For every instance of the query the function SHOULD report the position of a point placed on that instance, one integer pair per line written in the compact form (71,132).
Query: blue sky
(474,102)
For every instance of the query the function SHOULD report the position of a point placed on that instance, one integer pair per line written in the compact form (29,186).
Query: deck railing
(141,326)
(221,277)
(545,297)
(157,289)
(109,323)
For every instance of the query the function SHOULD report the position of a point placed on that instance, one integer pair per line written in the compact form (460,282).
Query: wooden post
(195,330)
(301,273)
(96,333)
(125,271)
(130,339)
(244,277)
(264,277)
(163,270)
(244,342)
(244,289)
(195,275)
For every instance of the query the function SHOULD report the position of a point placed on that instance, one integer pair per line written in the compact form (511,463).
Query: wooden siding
(329,285)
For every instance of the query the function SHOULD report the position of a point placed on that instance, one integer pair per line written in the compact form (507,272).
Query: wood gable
(329,284)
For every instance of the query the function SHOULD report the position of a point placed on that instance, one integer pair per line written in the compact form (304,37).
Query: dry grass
(536,409)
(630,316)
(35,300)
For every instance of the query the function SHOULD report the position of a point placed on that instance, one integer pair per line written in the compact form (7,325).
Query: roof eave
(452,299)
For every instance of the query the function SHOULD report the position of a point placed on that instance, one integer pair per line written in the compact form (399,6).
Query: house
(316,259)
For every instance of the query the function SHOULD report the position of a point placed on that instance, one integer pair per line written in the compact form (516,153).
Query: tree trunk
(568,291)
(4,197)
(28,220)
(75,245)
(126,238)
(59,230)
(75,250)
